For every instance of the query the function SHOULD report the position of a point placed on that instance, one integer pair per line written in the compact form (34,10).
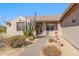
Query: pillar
(44,28)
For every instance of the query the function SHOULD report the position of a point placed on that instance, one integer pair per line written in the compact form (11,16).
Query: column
(44,28)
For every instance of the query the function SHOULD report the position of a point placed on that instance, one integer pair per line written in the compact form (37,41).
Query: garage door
(72,35)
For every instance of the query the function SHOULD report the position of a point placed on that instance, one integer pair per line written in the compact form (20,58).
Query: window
(29,26)
(50,27)
(20,26)
(73,21)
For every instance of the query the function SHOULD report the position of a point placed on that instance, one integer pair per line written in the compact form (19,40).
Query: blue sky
(11,10)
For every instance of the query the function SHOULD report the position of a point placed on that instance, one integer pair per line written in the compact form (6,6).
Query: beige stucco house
(44,25)
(67,25)
(70,24)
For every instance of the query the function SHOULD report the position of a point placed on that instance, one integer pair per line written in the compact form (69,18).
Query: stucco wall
(12,30)
(59,30)
(67,22)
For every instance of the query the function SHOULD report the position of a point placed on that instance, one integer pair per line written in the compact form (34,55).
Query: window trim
(50,27)
(17,26)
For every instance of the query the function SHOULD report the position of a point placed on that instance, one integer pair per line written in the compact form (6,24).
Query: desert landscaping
(14,45)
(41,35)
(20,45)
(59,47)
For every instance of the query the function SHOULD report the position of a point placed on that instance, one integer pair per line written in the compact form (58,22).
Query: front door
(39,28)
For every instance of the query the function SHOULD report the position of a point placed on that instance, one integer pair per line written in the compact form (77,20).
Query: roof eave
(66,11)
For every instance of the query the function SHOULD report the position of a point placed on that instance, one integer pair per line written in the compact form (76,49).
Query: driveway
(36,47)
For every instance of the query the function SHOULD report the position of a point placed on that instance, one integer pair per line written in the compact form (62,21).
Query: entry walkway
(35,49)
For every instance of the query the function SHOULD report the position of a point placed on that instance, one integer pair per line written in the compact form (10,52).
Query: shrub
(3,42)
(9,41)
(51,40)
(18,41)
(14,41)
(2,29)
(31,38)
(51,51)
(28,43)
(61,44)
(27,33)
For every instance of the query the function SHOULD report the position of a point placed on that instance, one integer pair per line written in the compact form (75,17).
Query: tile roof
(45,18)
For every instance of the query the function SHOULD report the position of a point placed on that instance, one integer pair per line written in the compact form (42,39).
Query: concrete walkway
(35,49)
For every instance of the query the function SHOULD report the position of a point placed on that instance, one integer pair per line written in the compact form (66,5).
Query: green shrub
(2,29)
(51,51)
(28,34)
